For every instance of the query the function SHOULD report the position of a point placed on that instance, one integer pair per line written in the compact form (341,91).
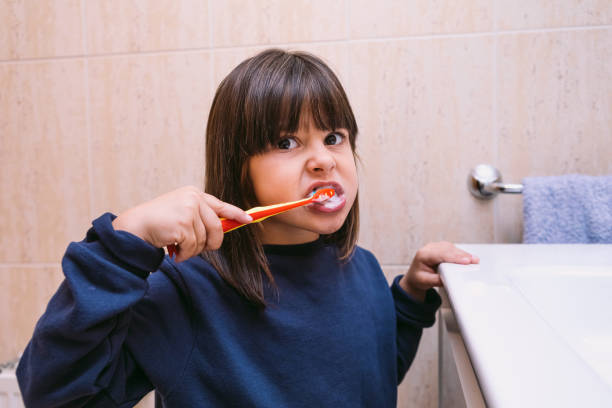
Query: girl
(286,313)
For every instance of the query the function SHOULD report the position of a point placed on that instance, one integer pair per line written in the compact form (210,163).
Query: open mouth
(333,204)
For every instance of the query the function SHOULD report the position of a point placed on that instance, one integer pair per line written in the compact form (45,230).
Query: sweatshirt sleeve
(75,357)
(411,316)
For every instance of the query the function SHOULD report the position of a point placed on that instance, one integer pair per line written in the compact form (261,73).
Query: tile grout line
(347,60)
(87,109)
(495,108)
(211,45)
(29,265)
(211,78)
(347,13)
(306,43)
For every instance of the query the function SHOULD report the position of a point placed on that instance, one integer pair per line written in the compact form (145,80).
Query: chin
(328,228)
(328,231)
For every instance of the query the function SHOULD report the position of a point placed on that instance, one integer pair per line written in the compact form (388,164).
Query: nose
(321,160)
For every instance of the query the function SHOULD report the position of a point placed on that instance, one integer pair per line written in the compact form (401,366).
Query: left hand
(423,274)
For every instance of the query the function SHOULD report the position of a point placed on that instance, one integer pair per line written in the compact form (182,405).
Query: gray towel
(567,209)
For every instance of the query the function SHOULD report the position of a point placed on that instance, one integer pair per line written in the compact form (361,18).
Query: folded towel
(567,209)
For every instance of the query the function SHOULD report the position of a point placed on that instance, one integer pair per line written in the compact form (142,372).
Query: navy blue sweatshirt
(335,335)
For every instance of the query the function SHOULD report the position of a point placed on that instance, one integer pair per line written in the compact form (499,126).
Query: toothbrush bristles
(324,195)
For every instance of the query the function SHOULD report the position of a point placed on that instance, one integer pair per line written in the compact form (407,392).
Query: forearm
(412,315)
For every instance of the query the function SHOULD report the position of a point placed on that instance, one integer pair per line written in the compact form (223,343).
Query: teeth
(332,202)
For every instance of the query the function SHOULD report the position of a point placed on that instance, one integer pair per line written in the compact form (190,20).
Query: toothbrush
(261,213)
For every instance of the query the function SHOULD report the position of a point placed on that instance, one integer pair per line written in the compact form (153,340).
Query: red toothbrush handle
(228,224)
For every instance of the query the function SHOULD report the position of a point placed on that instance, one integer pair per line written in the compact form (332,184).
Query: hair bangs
(298,87)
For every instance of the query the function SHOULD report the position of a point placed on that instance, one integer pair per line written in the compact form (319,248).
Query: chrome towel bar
(485,182)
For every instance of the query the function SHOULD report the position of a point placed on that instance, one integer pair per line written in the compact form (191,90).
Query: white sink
(537,322)
(577,304)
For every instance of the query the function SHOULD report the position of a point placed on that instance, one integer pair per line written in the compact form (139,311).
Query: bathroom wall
(104,104)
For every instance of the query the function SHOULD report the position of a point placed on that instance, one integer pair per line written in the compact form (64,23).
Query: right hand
(187,217)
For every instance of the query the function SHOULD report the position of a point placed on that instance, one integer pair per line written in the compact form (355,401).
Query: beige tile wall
(104,104)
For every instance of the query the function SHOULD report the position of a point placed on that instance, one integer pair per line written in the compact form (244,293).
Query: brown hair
(262,97)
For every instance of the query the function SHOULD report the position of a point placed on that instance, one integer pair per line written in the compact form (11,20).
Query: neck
(269,235)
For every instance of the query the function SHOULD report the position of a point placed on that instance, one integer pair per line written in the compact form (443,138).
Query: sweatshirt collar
(295,249)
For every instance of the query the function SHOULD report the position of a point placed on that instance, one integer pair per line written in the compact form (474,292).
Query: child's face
(290,170)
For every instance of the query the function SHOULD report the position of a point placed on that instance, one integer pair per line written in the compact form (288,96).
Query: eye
(286,143)
(334,138)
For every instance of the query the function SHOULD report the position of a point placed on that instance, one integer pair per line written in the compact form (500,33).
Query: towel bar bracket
(485,182)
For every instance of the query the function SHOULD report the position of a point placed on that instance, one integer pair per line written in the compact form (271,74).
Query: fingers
(201,227)
(436,253)
(201,232)
(426,280)
(422,273)
(227,210)
(214,232)
(205,232)
(187,247)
